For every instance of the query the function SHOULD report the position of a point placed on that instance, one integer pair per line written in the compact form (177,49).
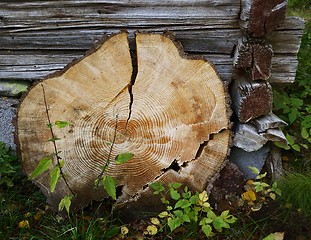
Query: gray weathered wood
(267,122)
(275,135)
(244,159)
(40,37)
(247,138)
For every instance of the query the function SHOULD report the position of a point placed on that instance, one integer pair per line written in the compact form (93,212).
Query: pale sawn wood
(174,110)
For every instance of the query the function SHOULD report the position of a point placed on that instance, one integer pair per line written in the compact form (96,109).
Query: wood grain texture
(174,110)
(255,56)
(40,37)
(251,99)
(260,17)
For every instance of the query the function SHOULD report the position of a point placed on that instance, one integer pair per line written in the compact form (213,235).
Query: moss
(13,88)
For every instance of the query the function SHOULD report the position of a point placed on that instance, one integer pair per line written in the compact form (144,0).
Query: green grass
(296,191)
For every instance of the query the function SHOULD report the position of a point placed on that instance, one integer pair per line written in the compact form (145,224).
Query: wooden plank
(32,65)
(132,13)
(50,34)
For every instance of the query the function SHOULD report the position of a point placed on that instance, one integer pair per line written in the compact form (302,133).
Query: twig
(58,158)
(100,176)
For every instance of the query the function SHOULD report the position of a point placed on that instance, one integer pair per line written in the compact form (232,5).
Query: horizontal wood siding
(40,37)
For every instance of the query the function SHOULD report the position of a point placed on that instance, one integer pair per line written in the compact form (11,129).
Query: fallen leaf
(24,224)
(151,230)
(249,196)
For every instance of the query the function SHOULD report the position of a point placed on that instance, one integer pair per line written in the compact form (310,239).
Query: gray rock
(244,159)
(10,88)
(7,114)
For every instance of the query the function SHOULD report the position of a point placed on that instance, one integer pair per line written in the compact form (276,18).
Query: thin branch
(100,176)
(58,158)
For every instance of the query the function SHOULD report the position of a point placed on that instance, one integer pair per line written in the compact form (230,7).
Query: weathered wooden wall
(40,37)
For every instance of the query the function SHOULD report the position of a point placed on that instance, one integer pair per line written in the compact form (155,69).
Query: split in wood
(259,17)
(254,56)
(172,110)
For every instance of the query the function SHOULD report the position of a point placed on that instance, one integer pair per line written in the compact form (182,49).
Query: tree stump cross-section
(172,110)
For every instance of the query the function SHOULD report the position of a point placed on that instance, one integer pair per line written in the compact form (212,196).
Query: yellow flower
(24,224)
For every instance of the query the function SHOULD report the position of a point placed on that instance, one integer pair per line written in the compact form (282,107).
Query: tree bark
(171,113)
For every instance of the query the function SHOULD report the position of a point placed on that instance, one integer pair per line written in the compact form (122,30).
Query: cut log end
(254,56)
(251,99)
(174,110)
(261,17)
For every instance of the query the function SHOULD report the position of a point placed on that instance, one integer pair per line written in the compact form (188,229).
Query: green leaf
(157,187)
(174,223)
(163,214)
(304,133)
(112,232)
(61,163)
(260,176)
(292,116)
(175,185)
(53,139)
(65,202)
(208,231)
(218,224)
(211,215)
(194,199)
(124,157)
(50,125)
(281,145)
(178,213)
(110,187)
(182,203)
(297,102)
(174,194)
(254,170)
(165,201)
(296,147)
(54,176)
(62,124)
(205,221)
(269,237)
(42,166)
(186,218)
(186,195)
(290,139)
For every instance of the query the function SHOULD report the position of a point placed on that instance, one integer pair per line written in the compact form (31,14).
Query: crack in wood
(133,53)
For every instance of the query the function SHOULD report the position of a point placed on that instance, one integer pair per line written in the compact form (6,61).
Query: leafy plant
(257,191)
(183,208)
(293,104)
(8,165)
(56,172)
(296,191)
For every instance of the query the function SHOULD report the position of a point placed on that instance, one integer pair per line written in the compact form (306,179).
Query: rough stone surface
(244,159)
(7,114)
(13,88)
